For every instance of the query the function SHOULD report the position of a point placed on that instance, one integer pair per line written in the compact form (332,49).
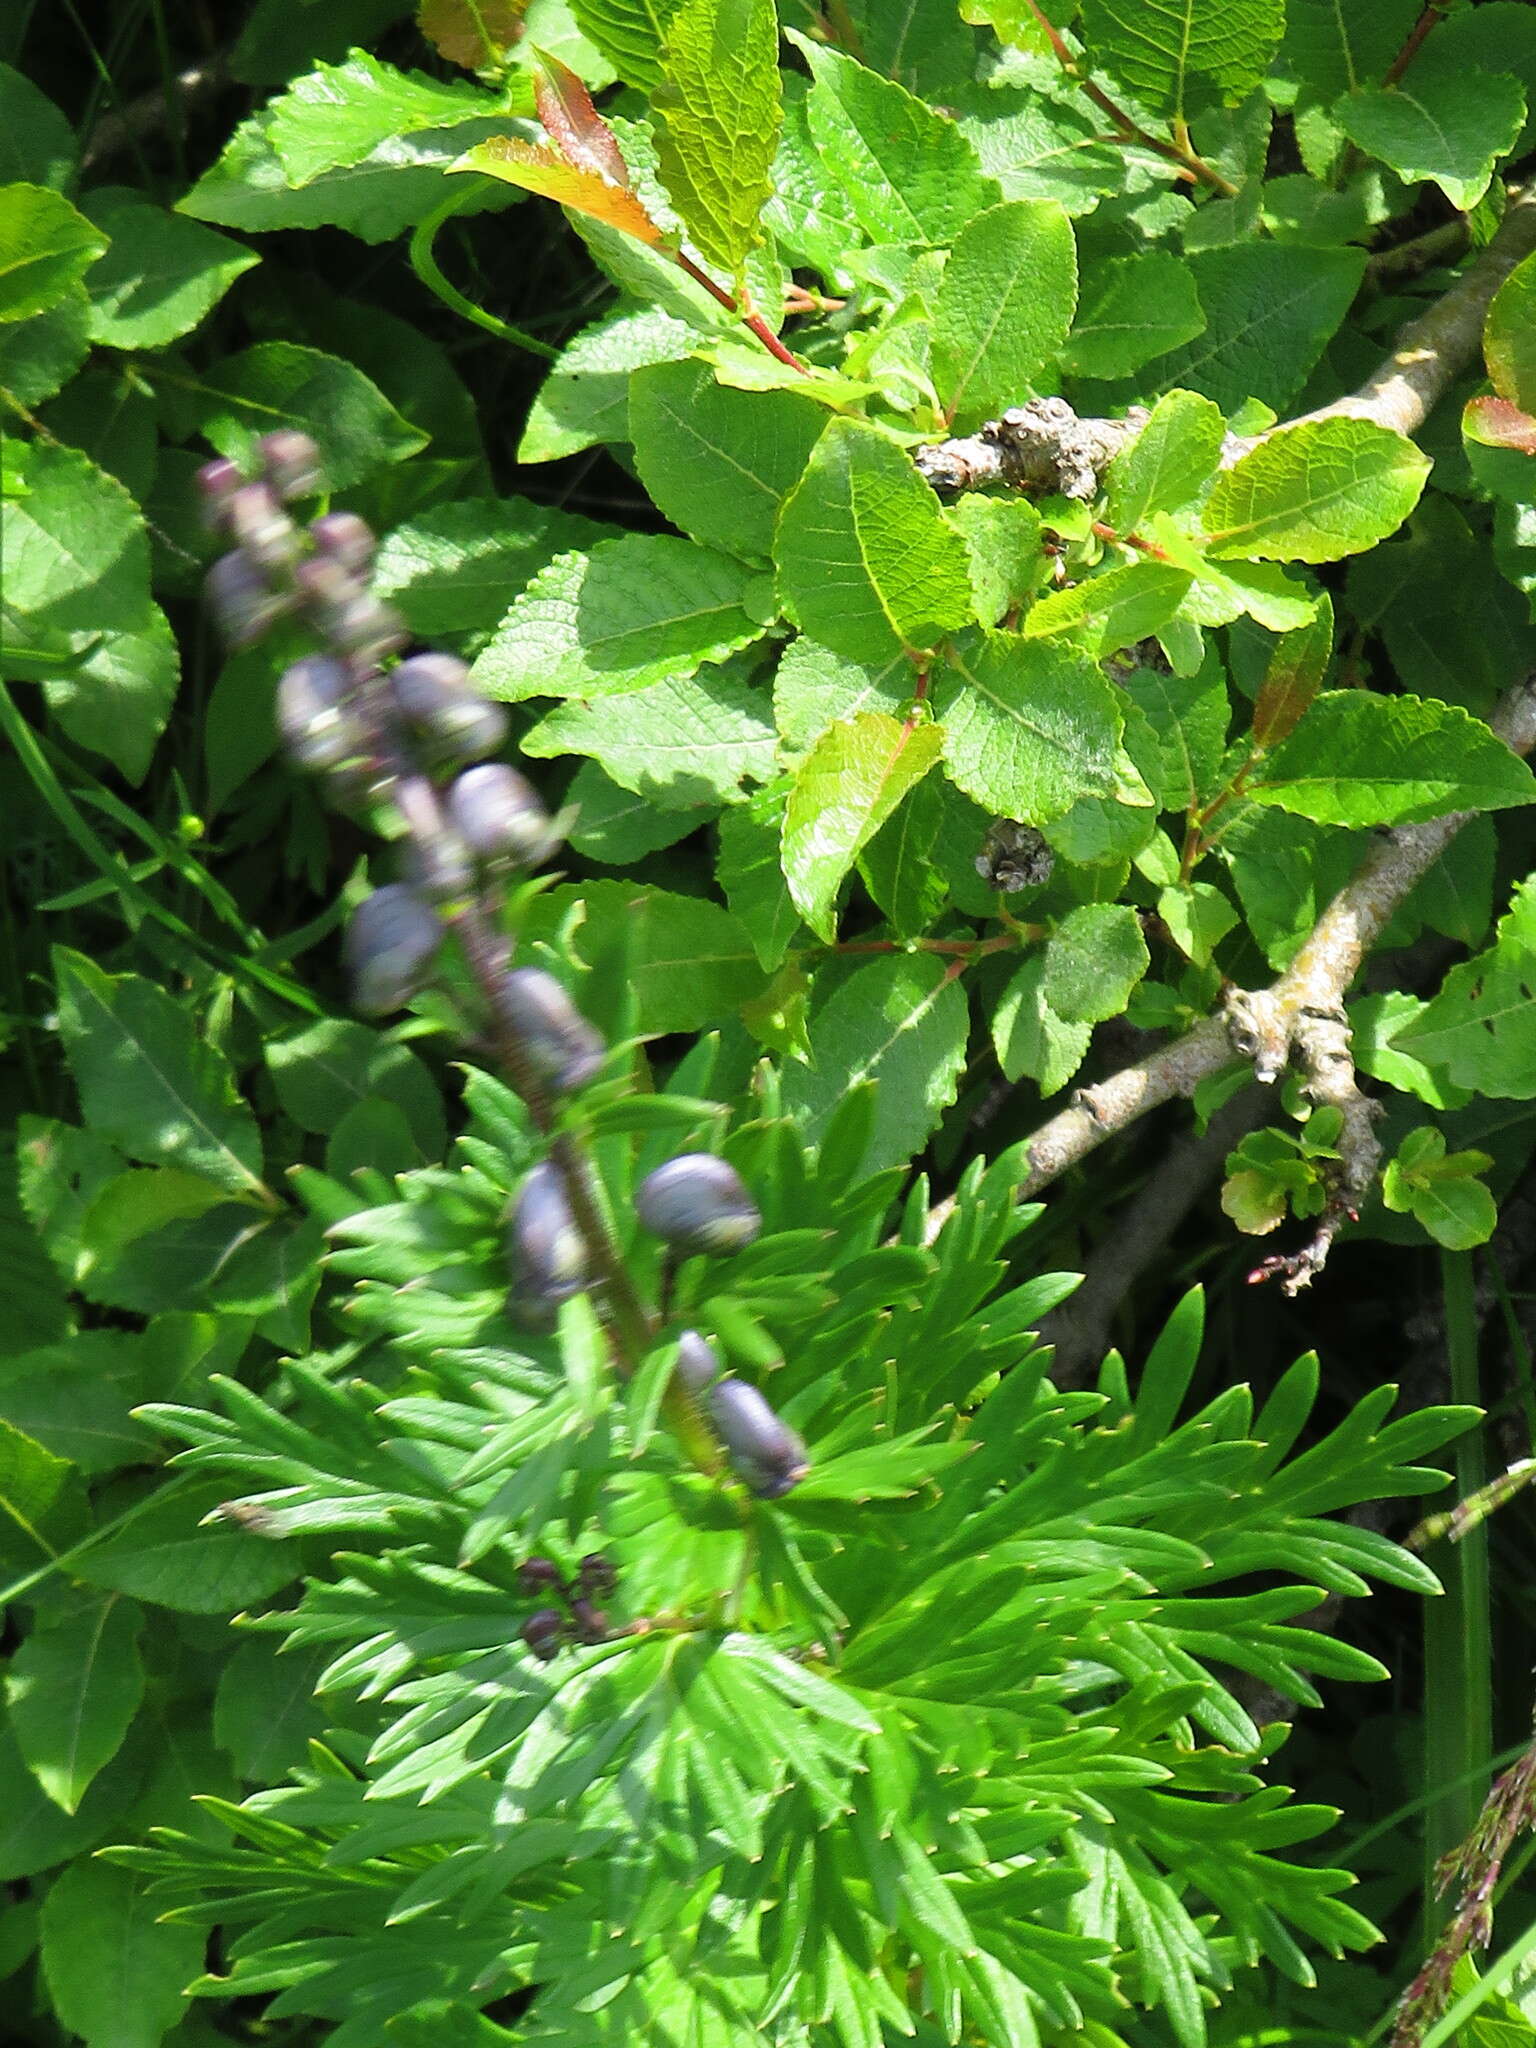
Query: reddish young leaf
(474,33)
(573,124)
(1496,423)
(1294,677)
(537,169)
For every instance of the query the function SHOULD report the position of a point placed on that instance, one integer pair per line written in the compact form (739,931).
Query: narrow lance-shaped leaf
(718,109)
(851,782)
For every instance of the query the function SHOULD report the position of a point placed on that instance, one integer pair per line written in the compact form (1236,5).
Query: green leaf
(844,791)
(813,688)
(39,356)
(1133,308)
(616,826)
(689,962)
(1177,54)
(1094,958)
(160,275)
(74,1397)
(907,174)
(37,144)
(1030,1039)
(160,1554)
(1333,49)
(1029,726)
(1270,310)
(751,873)
(150,1081)
(690,741)
(1115,608)
(630,34)
(279,384)
(1509,338)
(32,1482)
(333,1065)
(718,107)
(451,570)
(1169,463)
(644,609)
(1441,1190)
(585,397)
(1358,759)
(900,1022)
(1294,677)
(1447,124)
(116,1972)
(1315,492)
(73,1689)
(265,1711)
(1002,540)
(867,564)
(46,247)
(719,463)
(1004,307)
(339,114)
(1481,1027)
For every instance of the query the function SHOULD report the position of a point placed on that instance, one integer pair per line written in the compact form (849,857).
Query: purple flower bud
(591,1622)
(347,614)
(546,1251)
(765,1452)
(389,948)
(216,483)
(344,538)
(319,729)
(542,1632)
(497,814)
(596,1575)
(243,605)
(432,694)
(292,463)
(439,868)
(698,1203)
(537,1574)
(560,1045)
(697,1363)
(261,526)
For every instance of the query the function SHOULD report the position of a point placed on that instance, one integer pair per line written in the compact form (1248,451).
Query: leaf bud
(244,606)
(563,1049)
(216,483)
(261,526)
(698,1203)
(765,1452)
(318,727)
(344,538)
(697,1363)
(537,1574)
(497,814)
(542,1632)
(545,1250)
(432,693)
(389,947)
(292,463)
(596,1575)
(591,1622)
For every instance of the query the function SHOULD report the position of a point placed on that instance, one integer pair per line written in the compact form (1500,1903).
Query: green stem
(426,267)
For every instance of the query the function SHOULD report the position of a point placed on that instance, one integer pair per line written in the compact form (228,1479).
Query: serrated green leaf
(1176,54)
(690,963)
(1509,338)
(1358,759)
(718,107)
(845,789)
(1002,540)
(334,1065)
(116,1972)
(46,247)
(866,562)
(1093,960)
(1169,463)
(1333,49)
(641,610)
(73,1689)
(1315,492)
(585,397)
(1481,1027)
(751,873)
(630,34)
(900,1022)
(161,273)
(37,144)
(1116,608)
(907,175)
(1004,307)
(39,356)
(451,570)
(337,115)
(280,384)
(813,687)
(617,826)
(1446,124)
(1029,726)
(1133,309)
(150,1081)
(688,741)
(162,1555)
(1030,1039)
(719,463)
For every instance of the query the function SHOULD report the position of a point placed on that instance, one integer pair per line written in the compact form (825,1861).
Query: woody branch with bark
(1298,1022)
